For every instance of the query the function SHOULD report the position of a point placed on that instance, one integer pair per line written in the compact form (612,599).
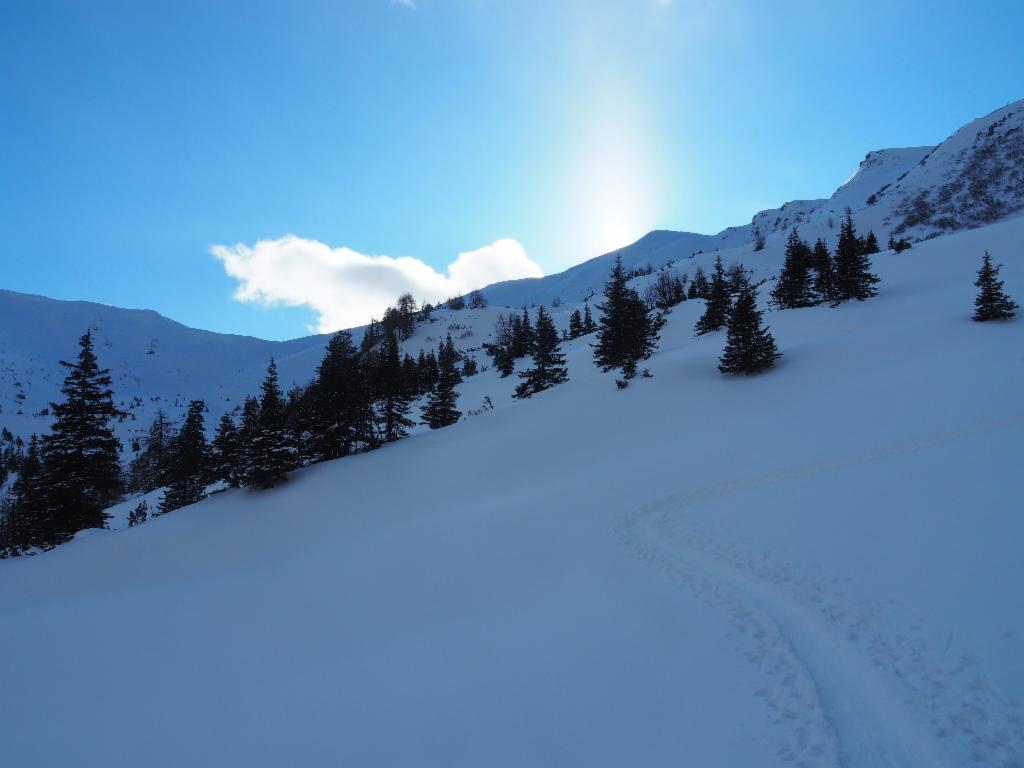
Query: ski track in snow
(849,690)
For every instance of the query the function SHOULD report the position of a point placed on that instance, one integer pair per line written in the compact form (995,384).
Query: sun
(615,188)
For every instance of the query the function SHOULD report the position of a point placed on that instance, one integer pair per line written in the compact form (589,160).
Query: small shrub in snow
(139,515)
(899,245)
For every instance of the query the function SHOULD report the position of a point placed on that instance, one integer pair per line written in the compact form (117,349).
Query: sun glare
(614,190)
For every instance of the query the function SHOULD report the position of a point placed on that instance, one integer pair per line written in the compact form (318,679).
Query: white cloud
(347,288)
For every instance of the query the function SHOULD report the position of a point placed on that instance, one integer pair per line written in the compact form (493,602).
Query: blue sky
(140,137)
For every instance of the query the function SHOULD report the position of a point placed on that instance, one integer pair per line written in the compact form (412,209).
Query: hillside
(155,362)
(819,566)
(972,178)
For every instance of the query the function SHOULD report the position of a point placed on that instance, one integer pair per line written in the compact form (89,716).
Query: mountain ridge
(914,192)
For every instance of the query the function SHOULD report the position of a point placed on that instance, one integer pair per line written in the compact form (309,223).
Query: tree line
(362,396)
(809,276)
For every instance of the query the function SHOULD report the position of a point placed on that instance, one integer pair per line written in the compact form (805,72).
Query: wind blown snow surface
(818,566)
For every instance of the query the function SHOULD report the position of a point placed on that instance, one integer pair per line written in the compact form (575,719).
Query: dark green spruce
(716,311)
(824,285)
(343,417)
(992,302)
(854,279)
(749,346)
(628,332)
(189,466)
(548,369)
(440,409)
(81,468)
(794,287)
(392,394)
(271,455)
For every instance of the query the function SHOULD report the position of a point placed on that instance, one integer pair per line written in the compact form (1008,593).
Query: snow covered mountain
(974,177)
(819,566)
(155,362)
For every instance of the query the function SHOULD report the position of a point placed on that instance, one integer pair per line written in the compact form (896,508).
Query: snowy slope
(975,177)
(818,217)
(585,280)
(155,362)
(819,566)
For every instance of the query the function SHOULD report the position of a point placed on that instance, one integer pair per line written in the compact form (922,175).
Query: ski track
(848,689)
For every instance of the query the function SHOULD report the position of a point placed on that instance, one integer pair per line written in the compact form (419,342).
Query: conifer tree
(139,515)
(439,410)
(410,376)
(154,463)
(716,312)
(447,355)
(668,291)
(992,302)
(589,326)
(628,333)
(421,364)
(7,548)
(793,288)
(679,289)
(548,367)
(189,467)
(736,278)
(26,524)
(391,394)
(899,246)
(271,454)
(427,372)
(372,336)
(871,243)
(575,324)
(699,288)
(406,310)
(522,335)
(515,324)
(502,348)
(343,418)
(824,272)
(225,458)
(248,431)
(749,347)
(82,473)
(10,454)
(301,424)
(854,279)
